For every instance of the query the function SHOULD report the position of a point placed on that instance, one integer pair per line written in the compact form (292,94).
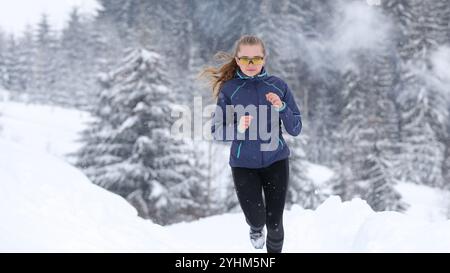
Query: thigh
(249,193)
(275,180)
(248,185)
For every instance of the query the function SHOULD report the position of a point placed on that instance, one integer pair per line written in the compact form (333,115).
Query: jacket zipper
(239,149)
(282,145)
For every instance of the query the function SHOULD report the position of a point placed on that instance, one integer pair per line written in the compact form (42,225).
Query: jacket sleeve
(290,113)
(224,124)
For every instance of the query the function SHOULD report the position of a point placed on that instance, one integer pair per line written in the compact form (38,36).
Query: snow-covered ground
(427,203)
(42,128)
(48,205)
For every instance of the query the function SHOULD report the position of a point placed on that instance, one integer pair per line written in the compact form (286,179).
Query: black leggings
(249,184)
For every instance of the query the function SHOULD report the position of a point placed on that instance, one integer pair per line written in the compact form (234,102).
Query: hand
(274,99)
(244,122)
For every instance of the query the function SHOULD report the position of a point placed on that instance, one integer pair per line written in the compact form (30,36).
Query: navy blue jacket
(245,90)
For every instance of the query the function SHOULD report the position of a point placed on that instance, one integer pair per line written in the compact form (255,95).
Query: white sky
(15,14)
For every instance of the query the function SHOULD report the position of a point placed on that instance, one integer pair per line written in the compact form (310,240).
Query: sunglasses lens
(244,61)
(255,60)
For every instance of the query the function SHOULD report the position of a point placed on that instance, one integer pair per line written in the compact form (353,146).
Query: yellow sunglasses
(257,60)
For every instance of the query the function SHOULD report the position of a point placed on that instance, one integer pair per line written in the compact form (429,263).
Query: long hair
(225,72)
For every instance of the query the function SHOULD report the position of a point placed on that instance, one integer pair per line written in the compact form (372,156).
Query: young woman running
(242,85)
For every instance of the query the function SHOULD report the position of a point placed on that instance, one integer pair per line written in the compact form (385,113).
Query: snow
(47,205)
(319,174)
(49,129)
(428,204)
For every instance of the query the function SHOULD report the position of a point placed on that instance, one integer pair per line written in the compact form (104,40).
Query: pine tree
(381,194)
(25,59)
(12,66)
(106,43)
(321,121)
(75,82)
(422,28)
(302,190)
(342,183)
(384,118)
(131,150)
(351,136)
(120,13)
(45,69)
(368,117)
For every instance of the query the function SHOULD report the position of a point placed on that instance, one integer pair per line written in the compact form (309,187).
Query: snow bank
(47,205)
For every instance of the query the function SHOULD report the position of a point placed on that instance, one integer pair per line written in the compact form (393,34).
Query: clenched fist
(274,99)
(244,123)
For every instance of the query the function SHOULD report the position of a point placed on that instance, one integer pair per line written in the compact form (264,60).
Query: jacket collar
(240,75)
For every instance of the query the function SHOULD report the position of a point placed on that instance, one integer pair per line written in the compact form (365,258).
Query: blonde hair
(217,76)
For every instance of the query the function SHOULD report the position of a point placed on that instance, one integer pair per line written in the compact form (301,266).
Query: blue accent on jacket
(251,91)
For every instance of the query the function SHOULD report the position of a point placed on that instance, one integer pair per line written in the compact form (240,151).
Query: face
(250,51)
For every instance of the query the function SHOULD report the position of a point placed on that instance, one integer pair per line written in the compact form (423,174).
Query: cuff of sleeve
(283,105)
(240,129)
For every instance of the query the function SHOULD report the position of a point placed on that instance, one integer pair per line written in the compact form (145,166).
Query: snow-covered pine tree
(381,194)
(342,183)
(322,121)
(369,117)
(385,117)
(138,158)
(302,190)
(75,82)
(98,150)
(119,13)
(25,59)
(163,26)
(374,176)
(189,196)
(422,27)
(45,69)
(104,39)
(12,67)
(421,152)
(351,136)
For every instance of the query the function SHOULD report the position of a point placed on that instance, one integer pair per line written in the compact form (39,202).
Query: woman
(243,82)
